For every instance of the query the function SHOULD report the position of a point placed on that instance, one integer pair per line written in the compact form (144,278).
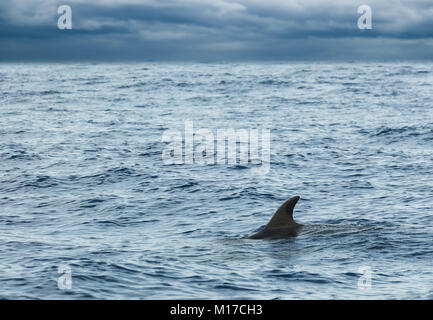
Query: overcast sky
(216,30)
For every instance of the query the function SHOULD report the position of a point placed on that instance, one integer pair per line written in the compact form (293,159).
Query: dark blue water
(83,183)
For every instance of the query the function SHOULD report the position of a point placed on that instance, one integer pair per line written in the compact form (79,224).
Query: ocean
(91,209)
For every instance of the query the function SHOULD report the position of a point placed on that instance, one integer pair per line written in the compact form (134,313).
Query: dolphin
(281,224)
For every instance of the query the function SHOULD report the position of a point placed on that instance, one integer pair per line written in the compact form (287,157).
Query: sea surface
(90,210)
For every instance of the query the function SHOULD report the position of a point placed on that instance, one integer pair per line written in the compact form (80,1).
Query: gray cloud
(215,30)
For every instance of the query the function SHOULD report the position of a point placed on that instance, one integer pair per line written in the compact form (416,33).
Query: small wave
(383,131)
(399,133)
(275,82)
(407,71)
(187,84)
(228,286)
(91,203)
(21,155)
(49,92)
(229,198)
(298,276)
(186,185)
(42,182)
(112,175)
(134,85)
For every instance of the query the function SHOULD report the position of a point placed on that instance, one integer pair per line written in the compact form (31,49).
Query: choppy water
(83,184)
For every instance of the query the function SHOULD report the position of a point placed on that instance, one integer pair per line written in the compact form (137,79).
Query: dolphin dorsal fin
(283,217)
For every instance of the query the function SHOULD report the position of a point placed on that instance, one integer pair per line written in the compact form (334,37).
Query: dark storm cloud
(215,30)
